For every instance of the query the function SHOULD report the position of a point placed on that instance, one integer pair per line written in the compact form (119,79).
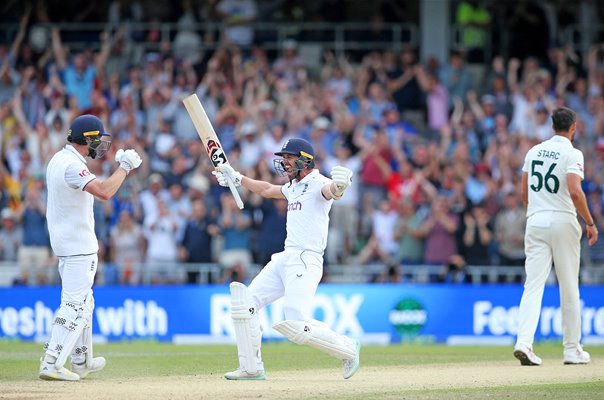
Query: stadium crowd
(436,153)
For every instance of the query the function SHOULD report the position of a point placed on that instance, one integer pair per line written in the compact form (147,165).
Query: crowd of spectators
(436,154)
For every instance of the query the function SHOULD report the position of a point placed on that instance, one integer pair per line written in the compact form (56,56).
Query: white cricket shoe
(49,372)
(526,356)
(241,375)
(350,367)
(576,356)
(98,363)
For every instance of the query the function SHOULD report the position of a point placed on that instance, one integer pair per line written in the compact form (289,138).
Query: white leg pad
(319,336)
(247,327)
(83,345)
(67,329)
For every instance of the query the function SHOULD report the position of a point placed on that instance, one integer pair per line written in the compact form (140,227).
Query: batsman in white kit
(552,195)
(294,273)
(71,191)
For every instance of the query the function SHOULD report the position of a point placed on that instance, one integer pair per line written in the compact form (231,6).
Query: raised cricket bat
(209,139)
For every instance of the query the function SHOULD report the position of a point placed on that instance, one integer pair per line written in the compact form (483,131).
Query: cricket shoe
(576,356)
(49,372)
(525,355)
(350,367)
(97,364)
(241,375)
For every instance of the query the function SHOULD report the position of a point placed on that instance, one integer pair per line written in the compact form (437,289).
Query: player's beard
(294,174)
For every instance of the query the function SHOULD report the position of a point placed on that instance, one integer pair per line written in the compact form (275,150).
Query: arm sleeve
(575,163)
(78,176)
(525,166)
(285,192)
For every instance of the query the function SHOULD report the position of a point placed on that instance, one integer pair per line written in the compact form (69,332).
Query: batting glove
(341,178)
(128,159)
(225,173)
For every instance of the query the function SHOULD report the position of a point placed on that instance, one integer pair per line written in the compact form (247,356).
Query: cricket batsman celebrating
(294,273)
(71,191)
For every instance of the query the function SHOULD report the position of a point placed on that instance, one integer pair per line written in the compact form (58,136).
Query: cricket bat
(209,139)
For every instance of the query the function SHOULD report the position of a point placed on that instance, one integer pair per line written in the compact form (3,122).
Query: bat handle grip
(235,193)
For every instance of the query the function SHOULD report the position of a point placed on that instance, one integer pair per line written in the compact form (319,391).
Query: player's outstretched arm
(263,188)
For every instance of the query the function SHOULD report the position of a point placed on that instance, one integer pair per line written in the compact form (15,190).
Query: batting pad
(247,327)
(83,345)
(319,336)
(72,317)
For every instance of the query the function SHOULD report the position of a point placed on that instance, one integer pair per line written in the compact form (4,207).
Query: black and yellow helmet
(88,130)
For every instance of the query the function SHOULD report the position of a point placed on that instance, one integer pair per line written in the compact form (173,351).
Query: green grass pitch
(19,362)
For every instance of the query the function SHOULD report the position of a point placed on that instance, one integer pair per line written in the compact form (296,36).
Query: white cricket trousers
(77,276)
(560,242)
(293,274)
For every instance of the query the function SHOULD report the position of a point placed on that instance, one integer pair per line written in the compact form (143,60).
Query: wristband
(126,167)
(333,194)
(592,224)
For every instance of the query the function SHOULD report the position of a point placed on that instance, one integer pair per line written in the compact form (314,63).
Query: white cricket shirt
(69,207)
(307,213)
(547,165)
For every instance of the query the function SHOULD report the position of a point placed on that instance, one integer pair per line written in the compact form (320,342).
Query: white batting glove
(128,159)
(226,172)
(341,178)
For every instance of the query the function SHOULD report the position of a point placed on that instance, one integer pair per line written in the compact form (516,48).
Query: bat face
(206,133)
(216,153)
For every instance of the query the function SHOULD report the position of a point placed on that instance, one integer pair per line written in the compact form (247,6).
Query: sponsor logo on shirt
(294,206)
